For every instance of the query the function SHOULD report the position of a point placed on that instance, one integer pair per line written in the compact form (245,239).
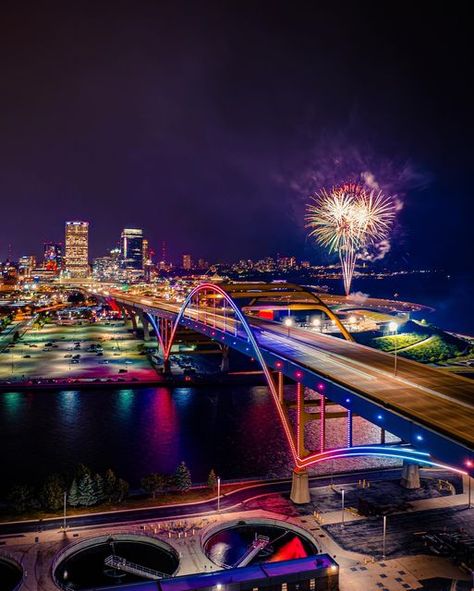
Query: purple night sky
(207,123)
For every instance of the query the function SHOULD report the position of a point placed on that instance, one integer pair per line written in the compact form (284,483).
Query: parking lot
(99,351)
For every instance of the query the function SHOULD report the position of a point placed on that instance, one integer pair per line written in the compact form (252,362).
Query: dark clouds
(193,120)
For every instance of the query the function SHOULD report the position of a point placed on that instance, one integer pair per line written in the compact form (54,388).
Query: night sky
(207,124)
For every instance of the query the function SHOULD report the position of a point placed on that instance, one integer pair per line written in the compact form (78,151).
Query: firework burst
(347,220)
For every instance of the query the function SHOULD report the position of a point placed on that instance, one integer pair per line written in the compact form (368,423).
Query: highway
(438,400)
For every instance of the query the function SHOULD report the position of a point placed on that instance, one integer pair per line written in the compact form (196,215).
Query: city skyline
(198,139)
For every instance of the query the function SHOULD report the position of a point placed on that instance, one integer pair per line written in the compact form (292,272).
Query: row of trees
(88,488)
(85,490)
(155,483)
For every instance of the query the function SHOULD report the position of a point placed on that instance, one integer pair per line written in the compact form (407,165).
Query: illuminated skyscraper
(26,264)
(187,262)
(131,249)
(77,249)
(53,256)
(145,252)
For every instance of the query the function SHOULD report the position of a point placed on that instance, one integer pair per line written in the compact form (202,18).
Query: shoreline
(255,379)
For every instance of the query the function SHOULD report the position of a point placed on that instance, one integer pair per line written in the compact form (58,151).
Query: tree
(73,496)
(52,493)
(81,471)
(121,490)
(182,478)
(109,484)
(99,488)
(212,480)
(86,489)
(21,498)
(153,483)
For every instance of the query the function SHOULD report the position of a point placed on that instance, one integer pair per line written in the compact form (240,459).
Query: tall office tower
(53,256)
(145,252)
(26,264)
(163,252)
(187,262)
(77,249)
(131,249)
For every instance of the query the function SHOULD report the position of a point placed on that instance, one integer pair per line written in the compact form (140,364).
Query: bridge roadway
(441,402)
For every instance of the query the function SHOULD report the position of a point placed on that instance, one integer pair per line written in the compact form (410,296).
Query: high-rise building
(77,249)
(26,264)
(145,252)
(187,262)
(53,256)
(131,249)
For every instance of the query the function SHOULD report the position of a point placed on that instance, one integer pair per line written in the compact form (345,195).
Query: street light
(218,494)
(342,507)
(65,509)
(288,322)
(384,536)
(393,328)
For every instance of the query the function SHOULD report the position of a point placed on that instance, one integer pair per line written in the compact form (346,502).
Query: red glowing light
(289,551)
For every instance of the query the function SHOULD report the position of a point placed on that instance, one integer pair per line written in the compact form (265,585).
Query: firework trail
(349,219)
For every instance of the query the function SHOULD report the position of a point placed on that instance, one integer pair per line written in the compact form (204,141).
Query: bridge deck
(440,401)
(434,398)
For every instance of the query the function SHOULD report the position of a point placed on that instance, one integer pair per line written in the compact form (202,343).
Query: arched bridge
(432,412)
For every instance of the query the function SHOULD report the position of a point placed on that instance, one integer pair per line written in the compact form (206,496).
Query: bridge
(432,412)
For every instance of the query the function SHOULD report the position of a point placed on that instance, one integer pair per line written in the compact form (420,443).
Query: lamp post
(384,536)
(393,328)
(218,494)
(342,507)
(288,323)
(65,511)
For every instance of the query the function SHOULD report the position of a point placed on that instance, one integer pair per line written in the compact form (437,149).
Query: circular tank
(113,560)
(11,574)
(240,543)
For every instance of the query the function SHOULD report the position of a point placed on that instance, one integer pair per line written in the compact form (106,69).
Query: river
(233,429)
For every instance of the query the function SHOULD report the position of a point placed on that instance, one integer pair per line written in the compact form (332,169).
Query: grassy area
(170,498)
(398,341)
(436,349)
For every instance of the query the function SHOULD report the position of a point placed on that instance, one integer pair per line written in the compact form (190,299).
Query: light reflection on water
(233,429)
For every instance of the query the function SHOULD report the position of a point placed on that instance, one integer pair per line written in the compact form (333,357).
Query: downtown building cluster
(69,260)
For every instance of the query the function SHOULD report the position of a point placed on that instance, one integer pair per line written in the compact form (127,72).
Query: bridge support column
(349,428)
(280,387)
(410,475)
(300,421)
(146,329)
(382,436)
(166,366)
(225,359)
(322,422)
(300,487)
(145,324)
